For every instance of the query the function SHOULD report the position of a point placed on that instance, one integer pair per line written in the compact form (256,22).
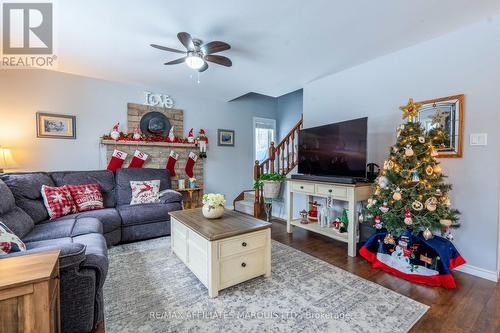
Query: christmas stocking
(190,164)
(117,160)
(138,159)
(172,159)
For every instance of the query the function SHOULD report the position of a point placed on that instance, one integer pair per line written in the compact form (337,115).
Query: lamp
(194,61)
(6,160)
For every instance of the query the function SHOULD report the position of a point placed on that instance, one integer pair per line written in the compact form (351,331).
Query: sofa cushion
(109,218)
(104,178)
(125,176)
(12,216)
(26,188)
(69,227)
(147,213)
(7,202)
(9,242)
(168,196)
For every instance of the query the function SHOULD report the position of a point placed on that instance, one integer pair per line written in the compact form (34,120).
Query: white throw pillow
(146,191)
(9,242)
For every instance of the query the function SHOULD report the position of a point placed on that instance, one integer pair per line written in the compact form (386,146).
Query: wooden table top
(230,224)
(27,269)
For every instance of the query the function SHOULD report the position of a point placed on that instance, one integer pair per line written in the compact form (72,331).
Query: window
(264,132)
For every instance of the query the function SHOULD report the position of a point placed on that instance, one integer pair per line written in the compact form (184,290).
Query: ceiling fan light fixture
(194,61)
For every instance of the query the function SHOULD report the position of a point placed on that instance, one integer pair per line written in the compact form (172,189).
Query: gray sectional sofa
(83,238)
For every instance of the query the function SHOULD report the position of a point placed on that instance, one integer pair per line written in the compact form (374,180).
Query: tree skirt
(414,258)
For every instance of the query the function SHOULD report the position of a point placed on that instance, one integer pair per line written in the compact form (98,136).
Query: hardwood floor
(474,306)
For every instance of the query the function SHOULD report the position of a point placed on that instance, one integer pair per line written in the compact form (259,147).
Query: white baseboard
(479,272)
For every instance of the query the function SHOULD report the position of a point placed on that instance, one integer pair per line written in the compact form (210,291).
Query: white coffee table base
(222,263)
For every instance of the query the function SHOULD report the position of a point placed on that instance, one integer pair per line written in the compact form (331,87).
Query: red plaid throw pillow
(58,201)
(87,196)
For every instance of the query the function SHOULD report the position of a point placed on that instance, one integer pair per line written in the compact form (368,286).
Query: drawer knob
(330,190)
(302,187)
(244,244)
(243,264)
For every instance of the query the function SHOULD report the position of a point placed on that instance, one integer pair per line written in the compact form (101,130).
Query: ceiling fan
(198,54)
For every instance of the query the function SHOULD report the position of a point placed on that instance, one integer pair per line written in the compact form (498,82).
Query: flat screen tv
(336,150)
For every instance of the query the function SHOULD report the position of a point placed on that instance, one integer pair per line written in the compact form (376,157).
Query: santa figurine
(115,132)
(137,134)
(378,222)
(408,220)
(190,136)
(202,143)
(336,223)
(313,213)
(171,136)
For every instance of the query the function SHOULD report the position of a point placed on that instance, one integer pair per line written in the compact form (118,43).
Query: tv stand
(352,193)
(326,179)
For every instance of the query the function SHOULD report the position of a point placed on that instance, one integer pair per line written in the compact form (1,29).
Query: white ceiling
(277,46)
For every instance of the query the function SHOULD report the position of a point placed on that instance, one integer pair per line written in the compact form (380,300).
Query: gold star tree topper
(410,110)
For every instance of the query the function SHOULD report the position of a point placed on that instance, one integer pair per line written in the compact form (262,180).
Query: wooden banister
(282,159)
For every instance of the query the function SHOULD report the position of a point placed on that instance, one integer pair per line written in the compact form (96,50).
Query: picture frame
(225,138)
(55,126)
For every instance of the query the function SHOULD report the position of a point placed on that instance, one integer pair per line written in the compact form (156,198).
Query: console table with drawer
(352,193)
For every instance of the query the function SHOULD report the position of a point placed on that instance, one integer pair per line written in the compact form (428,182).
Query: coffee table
(221,252)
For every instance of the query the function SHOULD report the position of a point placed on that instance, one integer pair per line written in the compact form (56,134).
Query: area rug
(150,290)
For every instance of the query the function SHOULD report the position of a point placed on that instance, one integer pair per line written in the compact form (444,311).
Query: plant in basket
(213,205)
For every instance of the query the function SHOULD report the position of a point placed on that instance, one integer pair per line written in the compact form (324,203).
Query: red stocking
(138,159)
(117,160)
(172,159)
(190,164)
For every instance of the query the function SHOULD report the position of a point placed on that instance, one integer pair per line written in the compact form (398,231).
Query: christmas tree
(410,192)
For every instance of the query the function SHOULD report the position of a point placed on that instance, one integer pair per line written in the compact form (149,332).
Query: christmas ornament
(409,151)
(446,201)
(190,136)
(429,170)
(415,177)
(336,223)
(427,234)
(388,239)
(446,222)
(202,143)
(171,136)
(172,159)
(361,218)
(434,151)
(190,164)
(378,223)
(408,217)
(417,205)
(410,110)
(438,192)
(384,208)
(395,150)
(437,169)
(303,217)
(371,203)
(397,194)
(116,160)
(137,134)
(421,139)
(115,132)
(431,204)
(388,165)
(383,182)
(138,159)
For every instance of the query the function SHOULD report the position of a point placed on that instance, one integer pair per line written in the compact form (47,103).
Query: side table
(191,197)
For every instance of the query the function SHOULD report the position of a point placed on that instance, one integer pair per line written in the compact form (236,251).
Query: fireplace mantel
(149,144)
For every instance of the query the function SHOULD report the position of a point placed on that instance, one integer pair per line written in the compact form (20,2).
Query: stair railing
(282,159)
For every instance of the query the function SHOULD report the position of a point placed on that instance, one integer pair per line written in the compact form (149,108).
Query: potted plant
(270,183)
(213,205)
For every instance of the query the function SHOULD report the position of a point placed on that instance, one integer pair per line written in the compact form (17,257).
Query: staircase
(282,159)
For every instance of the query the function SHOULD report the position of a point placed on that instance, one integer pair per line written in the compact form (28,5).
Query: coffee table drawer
(241,268)
(245,243)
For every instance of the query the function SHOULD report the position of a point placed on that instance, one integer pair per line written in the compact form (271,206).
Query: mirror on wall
(444,117)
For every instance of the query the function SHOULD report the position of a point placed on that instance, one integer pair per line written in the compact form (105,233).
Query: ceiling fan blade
(203,68)
(186,40)
(176,61)
(164,48)
(221,60)
(214,47)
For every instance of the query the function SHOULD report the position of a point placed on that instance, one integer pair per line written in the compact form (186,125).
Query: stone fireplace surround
(158,151)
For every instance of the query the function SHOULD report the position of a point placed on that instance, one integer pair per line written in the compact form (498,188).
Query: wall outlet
(478,139)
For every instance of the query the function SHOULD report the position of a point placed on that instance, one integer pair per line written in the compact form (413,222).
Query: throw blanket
(414,258)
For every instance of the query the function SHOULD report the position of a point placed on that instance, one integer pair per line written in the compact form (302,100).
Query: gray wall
(99,104)
(288,112)
(467,61)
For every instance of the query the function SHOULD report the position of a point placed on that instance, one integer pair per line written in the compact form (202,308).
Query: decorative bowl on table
(213,205)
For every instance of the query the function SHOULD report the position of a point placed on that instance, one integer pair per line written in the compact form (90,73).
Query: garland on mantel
(129,137)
